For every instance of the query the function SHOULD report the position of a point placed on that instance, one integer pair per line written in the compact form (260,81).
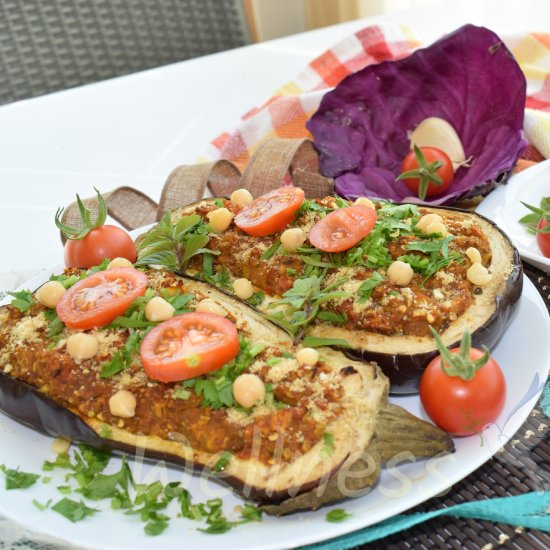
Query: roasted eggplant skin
(403,364)
(501,298)
(355,430)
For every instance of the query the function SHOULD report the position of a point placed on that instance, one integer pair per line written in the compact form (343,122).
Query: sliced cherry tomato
(101,297)
(189,345)
(427,171)
(107,241)
(463,405)
(343,228)
(543,239)
(271,212)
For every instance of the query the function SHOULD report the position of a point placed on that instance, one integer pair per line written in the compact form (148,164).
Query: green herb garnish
(271,251)
(23,300)
(15,479)
(256,299)
(222,462)
(439,255)
(531,221)
(328,447)
(74,511)
(216,388)
(367,286)
(302,304)
(313,342)
(337,515)
(172,245)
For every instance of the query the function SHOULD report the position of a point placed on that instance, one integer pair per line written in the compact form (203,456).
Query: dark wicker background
(49,45)
(523,466)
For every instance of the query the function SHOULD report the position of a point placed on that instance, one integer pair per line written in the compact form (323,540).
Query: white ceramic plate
(503,206)
(524,354)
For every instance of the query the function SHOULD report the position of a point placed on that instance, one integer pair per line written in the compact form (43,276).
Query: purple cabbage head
(469,78)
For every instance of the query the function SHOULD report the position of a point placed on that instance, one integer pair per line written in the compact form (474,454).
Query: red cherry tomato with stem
(462,390)
(427,171)
(89,245)
(543,236)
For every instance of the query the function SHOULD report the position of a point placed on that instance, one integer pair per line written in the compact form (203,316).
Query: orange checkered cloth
(284,115)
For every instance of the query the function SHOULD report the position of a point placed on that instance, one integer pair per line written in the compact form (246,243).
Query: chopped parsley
(337,515)
(222,462)
(74,511)
(15,479)
(55,326)
(438,257)
(314,342)
(272,250)
(256,299)
(148,502)
(216,388)
(366,288)
(23,300)
(328,447)
(302,304)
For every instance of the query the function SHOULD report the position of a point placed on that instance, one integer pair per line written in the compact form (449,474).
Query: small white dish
(503,206)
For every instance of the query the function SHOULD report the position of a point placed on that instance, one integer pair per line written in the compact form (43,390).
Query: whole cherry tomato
(89,245)
(427,171)
(462,390)
(543,238)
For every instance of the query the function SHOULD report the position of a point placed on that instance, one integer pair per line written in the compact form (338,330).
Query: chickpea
(428,219)
(50,293)
(82,345)
(209,306)
(400,273)
(307,356)
(437,227)
(219,219)
(60,445)
(119,262)
(293,238)
(473,255)
(478,275)
(365,202)
(243,288)
(123,404)
(248,389)
(158,309)
(241,197)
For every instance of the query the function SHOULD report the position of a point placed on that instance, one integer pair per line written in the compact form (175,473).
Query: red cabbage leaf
(468,78)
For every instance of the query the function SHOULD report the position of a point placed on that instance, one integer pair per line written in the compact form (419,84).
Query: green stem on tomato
(425,173)
(460,364)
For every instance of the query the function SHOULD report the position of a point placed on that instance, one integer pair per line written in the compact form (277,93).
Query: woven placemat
(522,466)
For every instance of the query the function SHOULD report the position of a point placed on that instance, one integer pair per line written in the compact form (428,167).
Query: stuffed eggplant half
(147,360)
(369,278)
